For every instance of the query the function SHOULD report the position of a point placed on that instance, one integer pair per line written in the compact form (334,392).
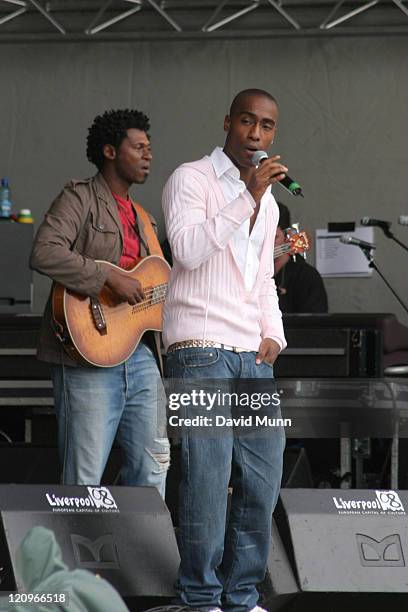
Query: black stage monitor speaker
(123,534)
(346,540)
(338,549)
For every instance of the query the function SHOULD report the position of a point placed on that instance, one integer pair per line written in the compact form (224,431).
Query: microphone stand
(389,234)
(371,264)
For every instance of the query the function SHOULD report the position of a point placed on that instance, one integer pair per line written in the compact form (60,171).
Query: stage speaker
(123,534)
(342,548)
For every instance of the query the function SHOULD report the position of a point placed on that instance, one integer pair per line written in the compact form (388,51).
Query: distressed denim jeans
(95,405)
(221,564)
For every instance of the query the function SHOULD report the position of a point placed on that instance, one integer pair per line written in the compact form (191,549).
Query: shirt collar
(223,165)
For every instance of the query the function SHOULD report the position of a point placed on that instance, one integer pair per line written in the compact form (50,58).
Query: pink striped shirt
(207,299)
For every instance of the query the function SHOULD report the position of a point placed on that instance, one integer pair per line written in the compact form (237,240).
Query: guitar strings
(283,248)
(154,295)
(280,250)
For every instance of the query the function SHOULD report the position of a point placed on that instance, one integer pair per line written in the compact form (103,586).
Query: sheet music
(333,258)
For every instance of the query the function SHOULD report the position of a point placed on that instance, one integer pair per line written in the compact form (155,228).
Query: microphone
(292,186)
(385,225)
(403,219)
(357,242)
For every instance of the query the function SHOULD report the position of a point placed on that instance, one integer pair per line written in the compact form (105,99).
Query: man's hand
(124,287)
(268,172)
(267,352)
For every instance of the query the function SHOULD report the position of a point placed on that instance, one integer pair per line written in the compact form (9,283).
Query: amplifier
(331,346)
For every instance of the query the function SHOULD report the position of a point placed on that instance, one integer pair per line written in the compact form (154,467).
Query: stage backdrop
(342,129)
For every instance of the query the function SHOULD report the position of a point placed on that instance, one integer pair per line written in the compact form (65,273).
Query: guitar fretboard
(280,250)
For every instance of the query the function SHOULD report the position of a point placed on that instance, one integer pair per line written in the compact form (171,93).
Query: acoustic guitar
(104,332)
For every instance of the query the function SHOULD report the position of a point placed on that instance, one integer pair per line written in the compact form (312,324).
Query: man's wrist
(276,340)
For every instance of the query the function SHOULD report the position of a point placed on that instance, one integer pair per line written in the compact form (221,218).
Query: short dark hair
(245,93)
(111,128)
(284,216)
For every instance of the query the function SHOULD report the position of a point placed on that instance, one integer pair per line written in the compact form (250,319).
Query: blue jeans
(93,405)
(222,564)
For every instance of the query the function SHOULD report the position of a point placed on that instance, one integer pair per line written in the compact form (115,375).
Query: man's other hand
(267,352)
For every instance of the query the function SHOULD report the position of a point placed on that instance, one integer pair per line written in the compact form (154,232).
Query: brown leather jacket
(82,225)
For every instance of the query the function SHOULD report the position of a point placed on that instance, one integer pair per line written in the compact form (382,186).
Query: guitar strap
(146,230)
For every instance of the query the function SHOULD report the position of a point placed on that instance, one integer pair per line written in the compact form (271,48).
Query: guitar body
(105,332)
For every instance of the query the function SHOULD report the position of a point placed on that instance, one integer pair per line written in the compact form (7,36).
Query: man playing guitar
(92,220)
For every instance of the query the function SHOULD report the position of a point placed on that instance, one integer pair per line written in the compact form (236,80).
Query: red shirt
(131,242)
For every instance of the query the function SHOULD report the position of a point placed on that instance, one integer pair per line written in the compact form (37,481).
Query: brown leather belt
(206,344)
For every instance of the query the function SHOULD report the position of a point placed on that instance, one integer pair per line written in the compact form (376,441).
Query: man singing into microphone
(222,320)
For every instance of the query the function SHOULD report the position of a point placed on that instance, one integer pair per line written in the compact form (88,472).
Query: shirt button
(101,226)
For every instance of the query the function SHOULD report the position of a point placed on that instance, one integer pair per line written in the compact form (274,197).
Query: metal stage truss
(201,19)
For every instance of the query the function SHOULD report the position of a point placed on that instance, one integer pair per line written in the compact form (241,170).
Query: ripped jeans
(93,405)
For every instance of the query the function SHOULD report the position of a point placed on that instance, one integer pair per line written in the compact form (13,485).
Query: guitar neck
(281,250)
